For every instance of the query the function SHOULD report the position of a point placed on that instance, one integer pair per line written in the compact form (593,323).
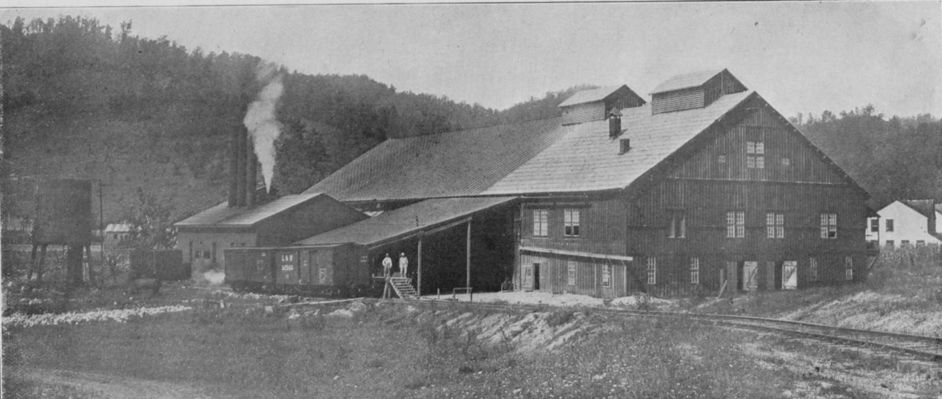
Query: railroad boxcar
(250,269)
(324,270)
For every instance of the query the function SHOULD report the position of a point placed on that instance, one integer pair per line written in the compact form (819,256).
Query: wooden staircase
(403,287)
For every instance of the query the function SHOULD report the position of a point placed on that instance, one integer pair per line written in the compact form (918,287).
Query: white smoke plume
(261,121)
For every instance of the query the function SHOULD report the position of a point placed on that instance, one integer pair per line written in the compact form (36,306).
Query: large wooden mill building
(704,186)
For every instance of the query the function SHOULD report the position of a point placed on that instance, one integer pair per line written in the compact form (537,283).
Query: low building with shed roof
(204,236)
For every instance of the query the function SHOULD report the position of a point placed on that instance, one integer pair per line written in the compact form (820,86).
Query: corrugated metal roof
(406,220)
(686,80)
(586,159)
(462,163)
(588,96)
(222,215)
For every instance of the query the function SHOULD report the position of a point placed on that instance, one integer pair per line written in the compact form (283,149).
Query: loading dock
(449,243)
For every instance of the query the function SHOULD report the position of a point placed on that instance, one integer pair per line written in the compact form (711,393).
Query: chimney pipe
(240,176)
(234,168)
(251,173)
(614,123)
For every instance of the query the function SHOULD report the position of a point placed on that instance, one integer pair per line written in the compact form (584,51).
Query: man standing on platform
(403,264)
(387,265)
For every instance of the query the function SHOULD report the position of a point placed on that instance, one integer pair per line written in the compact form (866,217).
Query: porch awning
(581,254)
(403,223)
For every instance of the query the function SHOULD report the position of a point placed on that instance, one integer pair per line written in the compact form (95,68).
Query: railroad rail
(920,346)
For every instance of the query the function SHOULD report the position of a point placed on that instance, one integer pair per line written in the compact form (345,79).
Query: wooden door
(750,275)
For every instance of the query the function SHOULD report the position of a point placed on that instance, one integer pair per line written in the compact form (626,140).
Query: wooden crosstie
(403,287)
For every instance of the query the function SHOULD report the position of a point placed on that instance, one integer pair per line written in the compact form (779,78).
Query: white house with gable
(907,223)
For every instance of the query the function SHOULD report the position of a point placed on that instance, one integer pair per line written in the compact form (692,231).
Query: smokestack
(251,173)
(234,169)
(614,123)
(239,155)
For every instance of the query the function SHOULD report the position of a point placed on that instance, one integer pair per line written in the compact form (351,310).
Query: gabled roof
(924,207)
(590,95)
(687,80)
(222,215)
(406,221)
(461,163)
(586,159)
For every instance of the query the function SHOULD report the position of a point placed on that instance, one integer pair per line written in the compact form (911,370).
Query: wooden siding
(312,218)
(720,85)
(779,141)
(703,191)
(601,224)
(580,113)
(677,100)
(554,276)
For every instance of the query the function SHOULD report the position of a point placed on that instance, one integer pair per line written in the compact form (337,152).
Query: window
(775,225)
(848,268)
(571,221)
(652,271)
(904,243)
(541,222)
(694,270)
(571,278)
(678,227)
(735,224)
(786,162)
(890,243)
(874,225)
(828,225)
(813,269)
(755,155)
(214,252)
(920,243)
(889,225)
(606,276)
(191,249)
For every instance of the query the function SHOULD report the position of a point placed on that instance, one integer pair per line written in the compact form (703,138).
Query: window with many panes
(828,225)
(774,225)
(571,277)
(678,225)
(540,222)
(571,221)
(874,225)
(694,270)
(889,225)
(848,268)
(890,243)
(813,269)
(606,276)
(735,224)
(652,271)
(755,155)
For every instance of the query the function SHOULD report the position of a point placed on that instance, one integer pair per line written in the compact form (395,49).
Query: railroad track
(919,346)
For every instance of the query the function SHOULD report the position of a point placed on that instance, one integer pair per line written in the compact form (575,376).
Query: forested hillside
(85,100)
(148,116)
(893,158)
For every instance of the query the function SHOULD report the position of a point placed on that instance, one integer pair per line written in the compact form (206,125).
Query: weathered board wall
(602,225)
(715,179)
(309,219)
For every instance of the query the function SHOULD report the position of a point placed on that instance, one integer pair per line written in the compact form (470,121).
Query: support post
(419,268)
(468,258)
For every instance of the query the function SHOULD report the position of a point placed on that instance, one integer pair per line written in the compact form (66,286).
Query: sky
(800,56)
